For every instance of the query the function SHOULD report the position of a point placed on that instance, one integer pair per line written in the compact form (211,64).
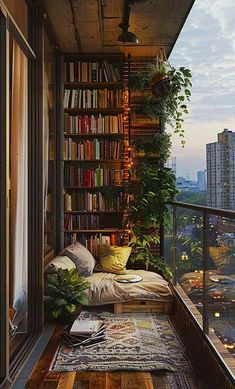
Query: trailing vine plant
(153,188)
(167,91)
(163,94)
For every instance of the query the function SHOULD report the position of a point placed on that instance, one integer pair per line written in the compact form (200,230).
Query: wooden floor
(41,378)
(88,380)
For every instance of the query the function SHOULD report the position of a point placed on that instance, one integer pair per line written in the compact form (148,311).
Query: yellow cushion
(113,259)
(219,256)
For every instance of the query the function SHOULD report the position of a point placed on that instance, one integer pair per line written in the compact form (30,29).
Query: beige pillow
(113,259)
(62,262)
(83,259)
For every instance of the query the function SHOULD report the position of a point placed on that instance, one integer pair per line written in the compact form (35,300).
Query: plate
(127,278)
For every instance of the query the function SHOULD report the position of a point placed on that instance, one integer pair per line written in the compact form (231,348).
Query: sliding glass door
(18,192)
(21,186)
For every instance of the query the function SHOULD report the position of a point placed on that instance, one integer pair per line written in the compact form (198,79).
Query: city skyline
(206,46)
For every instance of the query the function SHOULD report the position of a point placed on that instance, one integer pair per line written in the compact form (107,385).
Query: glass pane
(49,150)
(169,241)
(221,281)
(18,183)
(189,254)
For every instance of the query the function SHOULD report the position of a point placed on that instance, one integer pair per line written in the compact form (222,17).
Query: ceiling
(92,25)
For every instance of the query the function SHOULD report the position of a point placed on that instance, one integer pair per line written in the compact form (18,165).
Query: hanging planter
(160,85)
(169,92)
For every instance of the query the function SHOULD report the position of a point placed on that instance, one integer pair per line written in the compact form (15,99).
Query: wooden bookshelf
(108,230)
(94,212)
(93,85)
(94,135)
(98,74)
(86,111)
(92,187)
(98,161)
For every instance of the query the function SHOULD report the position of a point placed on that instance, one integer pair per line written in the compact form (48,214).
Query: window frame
(33,49)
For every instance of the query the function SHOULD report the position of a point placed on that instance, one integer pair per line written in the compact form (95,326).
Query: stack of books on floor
(85,334)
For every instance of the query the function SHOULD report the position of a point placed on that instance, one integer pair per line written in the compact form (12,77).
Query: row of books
(100,71)
(94,98)
(93,124)
(92,149)
(76,176)
(93,242)
(91,202)
(91,221)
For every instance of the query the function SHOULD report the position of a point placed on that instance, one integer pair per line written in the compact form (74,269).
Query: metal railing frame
(206,212)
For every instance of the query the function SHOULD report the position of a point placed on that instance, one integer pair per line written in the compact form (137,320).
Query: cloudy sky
(207,46)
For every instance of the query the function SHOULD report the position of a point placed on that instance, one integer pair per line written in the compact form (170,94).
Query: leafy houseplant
(64,294)
(141,251)
(169,90)
(154,187)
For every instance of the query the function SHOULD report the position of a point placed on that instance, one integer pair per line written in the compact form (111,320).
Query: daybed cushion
(105,290)
(113,259)
(60,262)
(83,259)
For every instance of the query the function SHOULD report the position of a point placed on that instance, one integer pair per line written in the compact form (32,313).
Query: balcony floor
(41,378)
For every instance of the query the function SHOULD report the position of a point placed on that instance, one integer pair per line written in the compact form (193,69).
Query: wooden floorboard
(113,380)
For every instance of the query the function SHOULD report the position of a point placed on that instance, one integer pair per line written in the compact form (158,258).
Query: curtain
(19,182)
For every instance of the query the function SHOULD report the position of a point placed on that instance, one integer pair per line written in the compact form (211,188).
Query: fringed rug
(135,341)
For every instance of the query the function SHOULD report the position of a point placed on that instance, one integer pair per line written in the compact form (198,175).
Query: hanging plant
(168,92)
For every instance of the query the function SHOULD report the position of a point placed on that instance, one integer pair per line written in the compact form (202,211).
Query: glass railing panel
(169,241)
(221,280)
(189,254)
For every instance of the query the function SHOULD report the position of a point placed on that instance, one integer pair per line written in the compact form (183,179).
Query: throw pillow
(113,259)
(60,262)
(83,259)
(219,256)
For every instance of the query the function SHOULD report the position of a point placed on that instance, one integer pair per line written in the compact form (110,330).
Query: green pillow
(113,259)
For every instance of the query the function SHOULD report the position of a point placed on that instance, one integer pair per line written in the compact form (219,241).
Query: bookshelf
(94,150)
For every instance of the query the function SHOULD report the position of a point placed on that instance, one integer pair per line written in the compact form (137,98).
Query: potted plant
(65,294)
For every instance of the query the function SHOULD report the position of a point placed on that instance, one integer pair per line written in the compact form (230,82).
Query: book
(86,327)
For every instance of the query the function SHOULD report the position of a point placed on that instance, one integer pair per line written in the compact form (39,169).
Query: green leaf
(71,308)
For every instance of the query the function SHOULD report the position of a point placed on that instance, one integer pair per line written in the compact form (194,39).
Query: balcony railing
(200,247)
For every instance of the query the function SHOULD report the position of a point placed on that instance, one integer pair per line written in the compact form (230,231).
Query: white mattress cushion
(105,290)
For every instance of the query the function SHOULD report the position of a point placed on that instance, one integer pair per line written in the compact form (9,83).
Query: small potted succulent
(65,294)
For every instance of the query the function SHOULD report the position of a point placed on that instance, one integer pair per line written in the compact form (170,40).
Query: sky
(206,45)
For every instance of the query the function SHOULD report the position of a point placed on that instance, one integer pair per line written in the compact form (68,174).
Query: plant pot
(160,86)
(68,318)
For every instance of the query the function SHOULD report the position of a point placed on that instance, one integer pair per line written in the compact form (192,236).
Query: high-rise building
(220,160)
(201,180)
(171,163)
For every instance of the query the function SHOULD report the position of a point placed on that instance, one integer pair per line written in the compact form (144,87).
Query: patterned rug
(135,341)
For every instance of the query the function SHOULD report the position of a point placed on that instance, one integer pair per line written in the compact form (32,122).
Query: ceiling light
(127,36)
